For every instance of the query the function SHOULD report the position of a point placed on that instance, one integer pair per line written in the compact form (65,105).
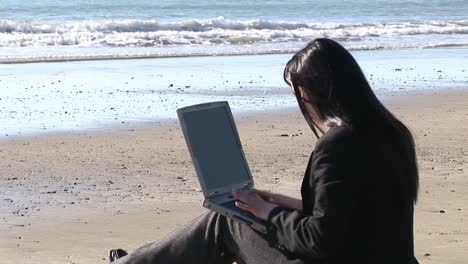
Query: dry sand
(70,197)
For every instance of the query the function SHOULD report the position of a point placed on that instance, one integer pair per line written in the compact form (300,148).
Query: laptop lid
(213,141)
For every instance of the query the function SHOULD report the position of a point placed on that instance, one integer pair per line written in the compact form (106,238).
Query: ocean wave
(152,33)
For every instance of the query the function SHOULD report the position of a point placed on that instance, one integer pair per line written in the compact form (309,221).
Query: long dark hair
(331,78)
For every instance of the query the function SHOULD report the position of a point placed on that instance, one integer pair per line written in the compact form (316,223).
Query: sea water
(45,29)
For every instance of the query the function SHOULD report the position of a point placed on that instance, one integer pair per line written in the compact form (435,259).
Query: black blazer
(350,215)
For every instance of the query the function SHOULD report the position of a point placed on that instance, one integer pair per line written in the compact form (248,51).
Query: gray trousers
(212,239)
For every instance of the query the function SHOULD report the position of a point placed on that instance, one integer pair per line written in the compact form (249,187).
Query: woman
(358,192)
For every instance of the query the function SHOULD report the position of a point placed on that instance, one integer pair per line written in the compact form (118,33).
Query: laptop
(213,141)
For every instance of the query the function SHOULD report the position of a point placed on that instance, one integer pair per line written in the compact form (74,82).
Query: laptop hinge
(213,194)
(246,186)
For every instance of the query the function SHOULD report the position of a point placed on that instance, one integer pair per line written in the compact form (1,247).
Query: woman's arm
(320,235)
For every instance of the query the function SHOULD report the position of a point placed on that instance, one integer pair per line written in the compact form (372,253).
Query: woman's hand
(252,202)
(280,199)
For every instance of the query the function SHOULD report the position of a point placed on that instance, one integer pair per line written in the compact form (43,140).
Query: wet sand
(70,197)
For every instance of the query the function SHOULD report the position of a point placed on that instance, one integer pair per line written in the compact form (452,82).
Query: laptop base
(236,214)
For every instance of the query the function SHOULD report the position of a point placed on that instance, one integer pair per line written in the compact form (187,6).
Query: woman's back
(381,221)
(383,218)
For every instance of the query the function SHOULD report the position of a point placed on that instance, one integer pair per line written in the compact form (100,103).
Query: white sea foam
(152,33)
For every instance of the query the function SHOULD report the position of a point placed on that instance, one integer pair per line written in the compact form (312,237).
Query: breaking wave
(152,33)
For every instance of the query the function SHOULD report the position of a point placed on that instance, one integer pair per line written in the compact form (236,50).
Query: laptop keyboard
(232,206)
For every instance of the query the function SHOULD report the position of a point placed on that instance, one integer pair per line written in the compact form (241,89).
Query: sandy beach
(70,197)
(91,153)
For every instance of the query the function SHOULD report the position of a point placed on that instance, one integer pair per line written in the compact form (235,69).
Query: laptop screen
(213,140)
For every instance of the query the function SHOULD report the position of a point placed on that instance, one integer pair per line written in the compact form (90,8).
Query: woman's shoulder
(339,141)
(338,136)
(339,149)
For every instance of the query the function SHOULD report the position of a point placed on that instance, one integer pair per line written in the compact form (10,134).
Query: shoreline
(137,56)
(134,57)
(79,95)
(126,185)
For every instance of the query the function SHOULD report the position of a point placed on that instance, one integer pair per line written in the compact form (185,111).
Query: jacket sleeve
(321,234)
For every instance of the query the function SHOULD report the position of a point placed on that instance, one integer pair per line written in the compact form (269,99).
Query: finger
(245,197)
(238,194)
(240,198)
(260,192)
(268,196)
(263,193)
(243,206)
(254,197)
